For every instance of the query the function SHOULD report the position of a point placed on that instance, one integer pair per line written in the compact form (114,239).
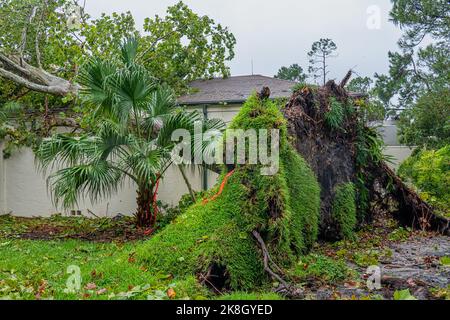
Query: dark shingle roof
(234,89)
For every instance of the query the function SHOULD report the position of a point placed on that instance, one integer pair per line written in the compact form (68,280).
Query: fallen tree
(346,156)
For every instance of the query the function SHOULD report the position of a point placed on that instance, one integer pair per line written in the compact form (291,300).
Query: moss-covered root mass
(213,239)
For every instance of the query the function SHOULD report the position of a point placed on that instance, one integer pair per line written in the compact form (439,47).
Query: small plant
(403,295)
(367,258)
(445,261)
(400,234)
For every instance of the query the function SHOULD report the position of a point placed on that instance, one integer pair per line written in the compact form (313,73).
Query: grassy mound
(213,240)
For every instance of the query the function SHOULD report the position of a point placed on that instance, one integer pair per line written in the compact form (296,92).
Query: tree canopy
(293,73)
(320,52)
(419,75)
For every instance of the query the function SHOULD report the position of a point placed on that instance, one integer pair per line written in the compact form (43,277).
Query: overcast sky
(280,32)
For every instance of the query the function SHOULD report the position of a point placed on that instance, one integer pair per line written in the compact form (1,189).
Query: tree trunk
(188,184)
(144,213)
(17,70)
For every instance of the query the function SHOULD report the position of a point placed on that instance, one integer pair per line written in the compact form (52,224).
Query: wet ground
(414,264)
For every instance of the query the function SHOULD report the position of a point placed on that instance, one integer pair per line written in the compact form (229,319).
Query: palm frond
(93,77)
(94,181)
(64,151)
(114,141)
(131,89)
(177,121)
(145,162)
(162,103)
(129,51)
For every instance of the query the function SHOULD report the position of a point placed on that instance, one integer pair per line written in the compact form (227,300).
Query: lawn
(33,268)
(43,269)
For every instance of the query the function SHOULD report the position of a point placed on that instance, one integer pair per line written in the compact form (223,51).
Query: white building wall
(24,190)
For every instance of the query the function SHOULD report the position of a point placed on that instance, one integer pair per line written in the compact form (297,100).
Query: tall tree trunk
(188,184)
(144,213)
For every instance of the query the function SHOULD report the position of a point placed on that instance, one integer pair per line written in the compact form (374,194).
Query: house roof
(234,89)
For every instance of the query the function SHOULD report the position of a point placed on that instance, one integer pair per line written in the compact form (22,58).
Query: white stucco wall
(24,190)
(2,181)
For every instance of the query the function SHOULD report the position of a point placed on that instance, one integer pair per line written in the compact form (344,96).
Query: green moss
(344,209)
(303,191)
(284,208)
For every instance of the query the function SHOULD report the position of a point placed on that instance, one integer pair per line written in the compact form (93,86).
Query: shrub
(428,171)
(335,117)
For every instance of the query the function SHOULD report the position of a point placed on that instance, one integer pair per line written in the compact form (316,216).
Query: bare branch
(23,44)
(38,35)
(61,87)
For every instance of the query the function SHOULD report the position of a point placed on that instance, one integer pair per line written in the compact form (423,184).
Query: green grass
(38,269)
(320,268)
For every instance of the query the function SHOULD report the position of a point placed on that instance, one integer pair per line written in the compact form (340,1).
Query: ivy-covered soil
(412,263)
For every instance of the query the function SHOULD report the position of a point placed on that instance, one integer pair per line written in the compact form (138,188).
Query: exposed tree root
(333,153)
(285,289)
(411,210)
(268,259)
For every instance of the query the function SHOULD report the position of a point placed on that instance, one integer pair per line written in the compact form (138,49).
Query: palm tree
(135,117)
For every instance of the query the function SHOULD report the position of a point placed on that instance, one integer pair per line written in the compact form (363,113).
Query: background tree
(320,52)
(292,73)
(360,84)
(427,123)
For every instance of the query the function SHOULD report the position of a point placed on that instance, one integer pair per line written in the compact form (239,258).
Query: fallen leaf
(352,284)
(91,286)
(411,282)
(171,293)
(101,291)
(131,258)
